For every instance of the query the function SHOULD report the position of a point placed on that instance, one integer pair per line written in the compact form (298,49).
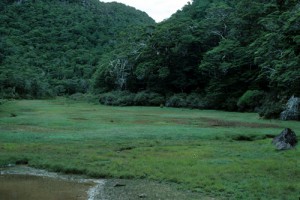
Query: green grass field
(224,155)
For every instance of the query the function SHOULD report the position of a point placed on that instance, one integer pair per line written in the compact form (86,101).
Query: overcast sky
(157,9)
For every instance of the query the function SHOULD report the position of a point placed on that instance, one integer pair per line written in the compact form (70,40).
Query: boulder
(142,195)
(287,139)
(292,109)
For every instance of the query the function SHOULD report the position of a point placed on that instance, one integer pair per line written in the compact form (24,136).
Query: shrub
(141,98)
(125,99)
(270,110)
(230,104)
(77,97)
(2,101)
(117,98)
(148,99)
(87,97)
(194,100)
(107,98)
(156,99)
(214,100)
(250,100)
(177,100)
(9,93)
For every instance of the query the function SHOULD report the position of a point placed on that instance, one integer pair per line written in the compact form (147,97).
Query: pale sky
(157,9)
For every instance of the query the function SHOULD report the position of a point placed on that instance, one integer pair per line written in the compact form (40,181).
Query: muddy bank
(148,190)
(22,182)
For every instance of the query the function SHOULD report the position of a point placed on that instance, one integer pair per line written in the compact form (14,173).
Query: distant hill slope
(217,54)
(52,47)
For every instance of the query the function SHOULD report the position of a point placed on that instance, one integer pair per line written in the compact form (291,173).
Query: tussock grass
(220,154)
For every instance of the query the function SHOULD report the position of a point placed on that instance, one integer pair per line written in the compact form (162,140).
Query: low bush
(156,99)
(250,100)
(117,98)
(214,100)
(2,101)
(270,110)
(145,98)
(230,104)
(195,100)
(271,107)
(192,100)
(177,101)
(125,98)
(87,97)
(9,93)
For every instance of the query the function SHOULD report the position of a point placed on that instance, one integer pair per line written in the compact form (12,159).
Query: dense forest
(53,47)
(233,55)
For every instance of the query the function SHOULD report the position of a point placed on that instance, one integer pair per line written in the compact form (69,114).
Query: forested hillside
(52,47)
(234,55)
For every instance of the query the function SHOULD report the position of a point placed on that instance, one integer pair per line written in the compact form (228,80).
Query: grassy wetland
(224,155)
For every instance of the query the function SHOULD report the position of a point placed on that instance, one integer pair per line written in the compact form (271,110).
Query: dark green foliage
(52,47)
(117,98)
(148,98)
(192,100)
(125,98)
(220,54)
(270,110)
(85,97)
(2,101)
(231,55)
(271,107)
(250,100)
(145,98)
(195,100)
(177,101)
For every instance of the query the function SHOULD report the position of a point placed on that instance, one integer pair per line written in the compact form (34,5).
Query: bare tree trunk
(119,70)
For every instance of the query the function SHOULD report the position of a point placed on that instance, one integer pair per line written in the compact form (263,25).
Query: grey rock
(142,196)
(287,139)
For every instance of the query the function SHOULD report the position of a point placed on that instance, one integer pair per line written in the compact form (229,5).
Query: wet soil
(148,190)
(25,183)
(27,187)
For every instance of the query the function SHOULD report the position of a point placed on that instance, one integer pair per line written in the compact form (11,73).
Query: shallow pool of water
(26,183)
(29,187)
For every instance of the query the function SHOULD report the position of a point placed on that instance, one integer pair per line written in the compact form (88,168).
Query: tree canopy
(221,50)
(232,55)
(52,47)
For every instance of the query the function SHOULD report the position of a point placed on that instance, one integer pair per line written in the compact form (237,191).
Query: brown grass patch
(211,122)
(224,123)
(27,128)
(79,119)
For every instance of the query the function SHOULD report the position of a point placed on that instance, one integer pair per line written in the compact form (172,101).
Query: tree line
(233,55)
(52,47)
